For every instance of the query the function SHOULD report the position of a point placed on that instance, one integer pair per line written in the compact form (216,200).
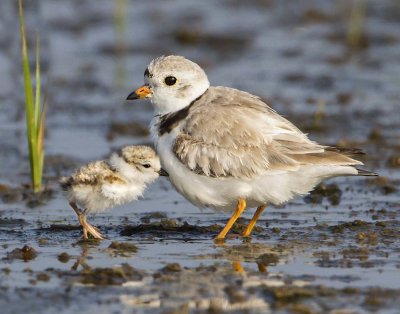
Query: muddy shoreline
(334,251)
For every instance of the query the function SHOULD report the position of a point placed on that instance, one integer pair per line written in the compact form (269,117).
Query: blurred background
(331,67)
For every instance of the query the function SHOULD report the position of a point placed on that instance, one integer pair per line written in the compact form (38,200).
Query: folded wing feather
(230,133)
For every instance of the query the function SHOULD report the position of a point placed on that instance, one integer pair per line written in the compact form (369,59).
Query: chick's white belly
(102,197)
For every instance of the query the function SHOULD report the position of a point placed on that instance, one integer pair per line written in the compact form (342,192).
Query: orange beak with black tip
(141,93)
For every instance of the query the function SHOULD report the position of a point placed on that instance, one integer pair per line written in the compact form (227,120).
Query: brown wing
(91,174)
(232,133)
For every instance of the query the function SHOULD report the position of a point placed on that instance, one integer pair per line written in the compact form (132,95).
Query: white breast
(202,191)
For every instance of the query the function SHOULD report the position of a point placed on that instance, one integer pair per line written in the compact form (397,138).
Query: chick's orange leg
(241,206)
(86,227)
(75,208)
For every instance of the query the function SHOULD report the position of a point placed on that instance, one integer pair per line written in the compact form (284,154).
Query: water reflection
(86,247)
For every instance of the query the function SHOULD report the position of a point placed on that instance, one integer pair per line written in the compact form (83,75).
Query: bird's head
(171,83)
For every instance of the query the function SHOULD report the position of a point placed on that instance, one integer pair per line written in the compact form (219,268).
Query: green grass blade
(32,107)
(41,137)
(38,122)
(25,64)
(27,87)
(38,87)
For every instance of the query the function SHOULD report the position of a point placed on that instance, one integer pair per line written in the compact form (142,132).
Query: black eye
(147,73)
(146,165)
(170,80)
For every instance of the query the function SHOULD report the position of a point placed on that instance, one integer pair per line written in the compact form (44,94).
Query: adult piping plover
(101,185)
(223,147)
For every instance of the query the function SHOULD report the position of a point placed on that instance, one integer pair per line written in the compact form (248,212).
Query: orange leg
(237,266)
(253,220)
(86,227)
(262,268)
(241,205)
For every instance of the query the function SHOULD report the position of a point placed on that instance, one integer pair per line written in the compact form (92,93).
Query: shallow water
(303,258)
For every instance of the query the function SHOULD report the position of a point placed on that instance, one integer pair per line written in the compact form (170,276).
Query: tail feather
(362,172)
(350,152)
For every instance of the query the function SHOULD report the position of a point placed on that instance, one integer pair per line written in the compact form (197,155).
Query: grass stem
(35,110)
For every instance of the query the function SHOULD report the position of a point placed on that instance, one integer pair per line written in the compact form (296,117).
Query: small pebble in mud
(42,277)
(122,248)
(350,290)
(329,191)
(390,233)
(373,302)
(288,295)
(353,225)
(63,257)
(276,230)
(110,276)
(3,188)
(268,259)
(42,241)
(156,215)
(361,254)
(299,308)
(9,194)
(380,224)
(394,161)
(369,238)
(385,184)
(323,256)
(241,225)
(235,294)
(172,268)
(344,98)
(26,253)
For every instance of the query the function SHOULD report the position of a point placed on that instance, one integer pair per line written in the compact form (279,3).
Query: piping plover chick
(224,148)
(101,185)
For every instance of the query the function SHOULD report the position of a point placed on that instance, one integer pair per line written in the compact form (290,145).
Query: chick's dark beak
(163,173)
(142,92)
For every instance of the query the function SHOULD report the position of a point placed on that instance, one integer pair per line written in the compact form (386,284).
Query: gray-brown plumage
(224,134)
(92,174)
(100,185)
(223,147)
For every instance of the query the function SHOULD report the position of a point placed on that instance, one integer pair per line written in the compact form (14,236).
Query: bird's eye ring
(170,80)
